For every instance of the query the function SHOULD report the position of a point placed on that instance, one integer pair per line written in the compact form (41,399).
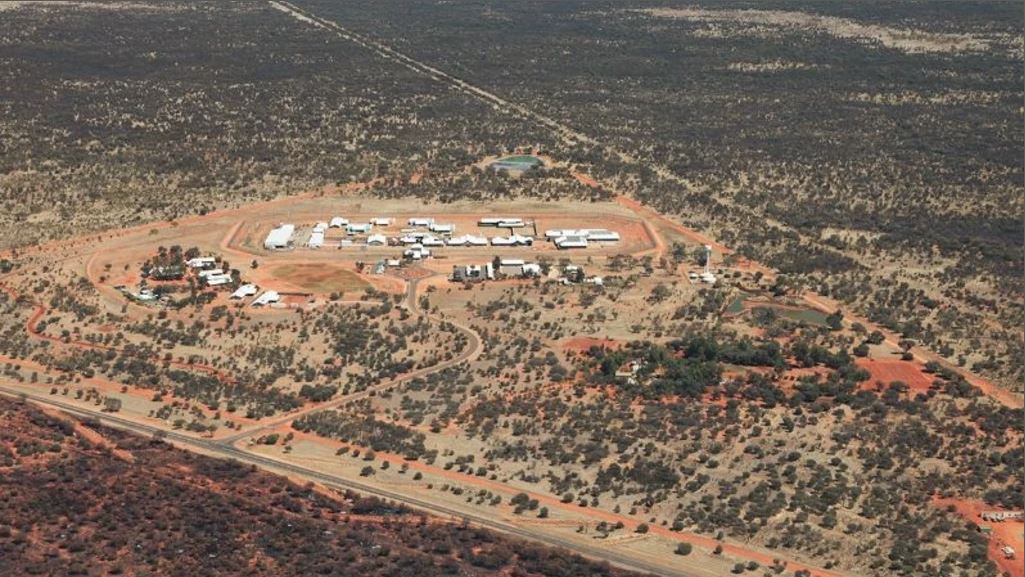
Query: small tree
(684,548)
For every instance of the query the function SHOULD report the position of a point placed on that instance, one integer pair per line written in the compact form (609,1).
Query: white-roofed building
(266,298)
(338,222)
(377,240)
(513,240)
(501,221)
(382,221)
(358,227)
(417,252)
(316,240)
(218,280)
(320,227)
(279,237)
(442,228)
(246,290)
(201,262)
(518,267)
(420,221)
(591,234)
(568,242)
(467,240)
(601,235)
(209,273)
(429,240)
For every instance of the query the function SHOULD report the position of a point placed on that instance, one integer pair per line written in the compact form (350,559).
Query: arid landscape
(319,287)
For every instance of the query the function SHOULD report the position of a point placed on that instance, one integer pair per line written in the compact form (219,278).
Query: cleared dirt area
(582,344)
(319,278)
(888,371)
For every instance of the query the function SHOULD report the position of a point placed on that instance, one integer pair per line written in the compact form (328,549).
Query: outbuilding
(338,222)
(377,240)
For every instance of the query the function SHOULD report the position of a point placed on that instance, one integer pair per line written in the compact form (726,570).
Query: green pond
(523,159)
(809,316)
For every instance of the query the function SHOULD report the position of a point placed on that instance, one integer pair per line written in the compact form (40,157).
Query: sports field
(319,278)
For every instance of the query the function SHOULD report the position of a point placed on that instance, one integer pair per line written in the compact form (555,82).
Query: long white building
(593,234)
(279,237)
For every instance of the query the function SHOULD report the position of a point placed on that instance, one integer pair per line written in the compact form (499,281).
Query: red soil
(1009,533)
(88,434)
(887,371)
(582,344)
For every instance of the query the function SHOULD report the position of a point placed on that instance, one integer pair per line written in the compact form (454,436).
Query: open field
(319,278)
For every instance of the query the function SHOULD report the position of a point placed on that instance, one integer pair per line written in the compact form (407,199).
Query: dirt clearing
(319,278)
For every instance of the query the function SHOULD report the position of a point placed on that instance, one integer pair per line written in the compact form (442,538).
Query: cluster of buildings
(249,290)
(519,268)
(208,272)
(568,238)
(510,267)
(427,232)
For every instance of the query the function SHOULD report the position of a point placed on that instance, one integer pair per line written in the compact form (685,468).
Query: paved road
(218,449)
